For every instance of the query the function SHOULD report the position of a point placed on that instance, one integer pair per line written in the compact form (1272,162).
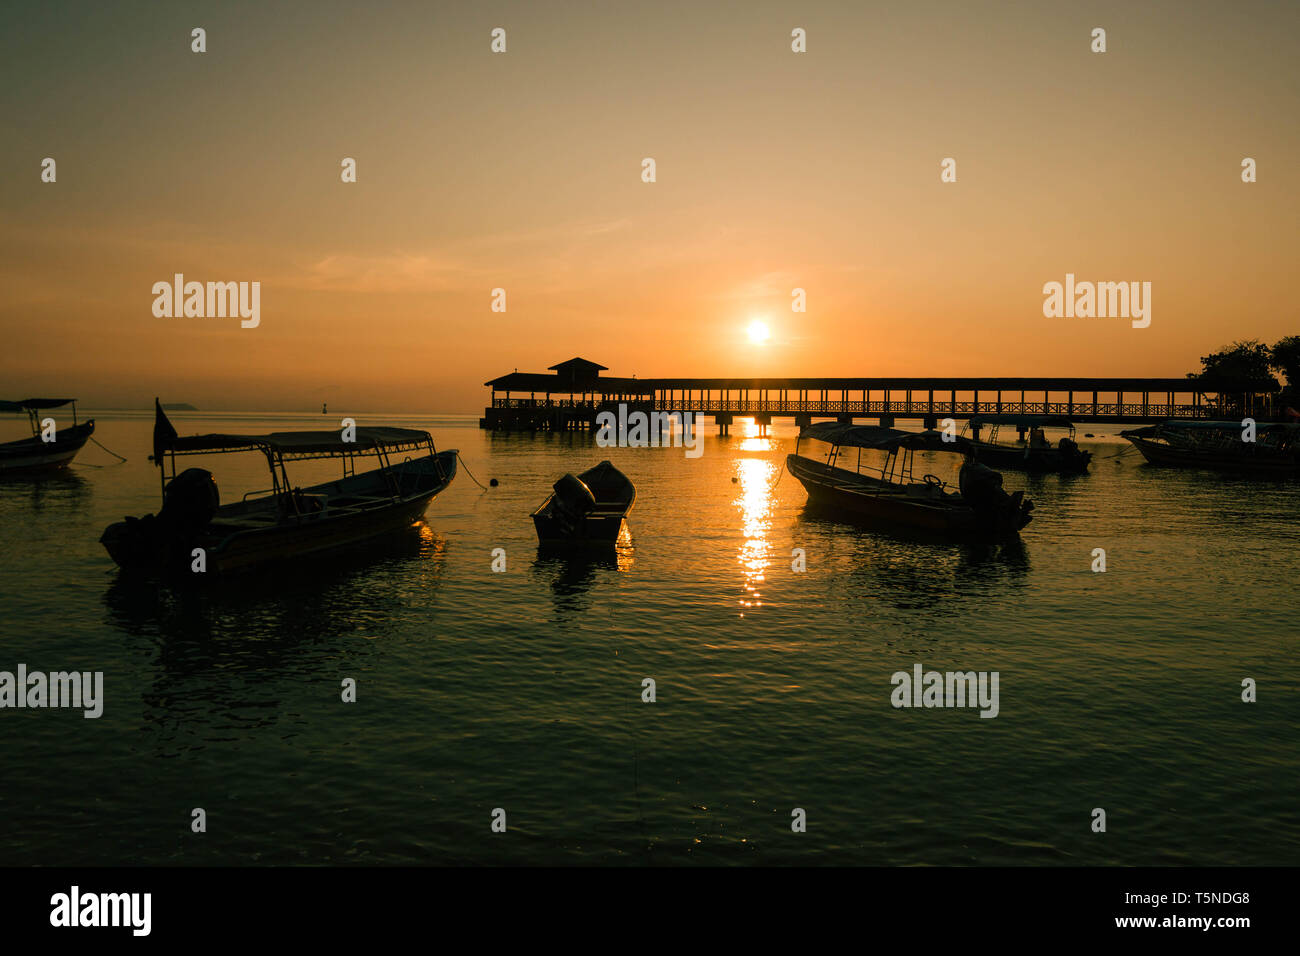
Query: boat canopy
(34,404)
(1027,421)
(875,436)
(311,444)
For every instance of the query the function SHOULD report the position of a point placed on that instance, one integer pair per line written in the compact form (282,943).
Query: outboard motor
(573,501)
(980,485)
(190,501)
(1072,457)
(162,541)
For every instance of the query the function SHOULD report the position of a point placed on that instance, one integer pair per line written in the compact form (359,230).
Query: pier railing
(958,409)
(541,404)
(778,406)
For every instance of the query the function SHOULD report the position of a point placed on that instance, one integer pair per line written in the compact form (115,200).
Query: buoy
(493,482)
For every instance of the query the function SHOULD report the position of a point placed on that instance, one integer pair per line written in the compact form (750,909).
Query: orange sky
(523,171)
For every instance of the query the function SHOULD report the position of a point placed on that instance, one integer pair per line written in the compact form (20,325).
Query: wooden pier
(574,394)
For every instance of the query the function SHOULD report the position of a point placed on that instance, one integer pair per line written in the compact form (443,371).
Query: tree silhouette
(1240,367)
(1286,359)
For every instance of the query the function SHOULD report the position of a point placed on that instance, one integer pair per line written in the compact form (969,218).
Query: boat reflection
(56,490)
(574,569)
(221,652)
(915,570)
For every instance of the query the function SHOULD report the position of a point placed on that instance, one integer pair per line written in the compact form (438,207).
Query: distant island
(180,407)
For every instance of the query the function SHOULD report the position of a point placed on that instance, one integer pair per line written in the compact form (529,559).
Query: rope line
(470,473)
(113,453)
(1122,451)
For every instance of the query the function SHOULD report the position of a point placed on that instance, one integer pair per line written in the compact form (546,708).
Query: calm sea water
(522,690)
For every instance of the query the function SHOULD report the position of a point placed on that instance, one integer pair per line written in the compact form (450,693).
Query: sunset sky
(522,170)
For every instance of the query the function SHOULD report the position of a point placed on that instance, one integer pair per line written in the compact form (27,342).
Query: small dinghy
(589,507)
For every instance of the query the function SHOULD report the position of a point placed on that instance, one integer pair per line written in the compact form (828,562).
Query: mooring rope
(113,453)
(1122,451)
(470,473)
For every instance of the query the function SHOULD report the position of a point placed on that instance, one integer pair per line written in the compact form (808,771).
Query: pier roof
(582,375)
(575,375)
(579,366)
(963,384)
(559,384)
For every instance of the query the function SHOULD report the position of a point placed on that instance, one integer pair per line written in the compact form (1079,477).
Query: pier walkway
(571,397)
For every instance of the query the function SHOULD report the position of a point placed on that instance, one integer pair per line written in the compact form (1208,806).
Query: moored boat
(589,507)
(286,522)
(892,497)
(1034,454)
(1220,446)
(46,450)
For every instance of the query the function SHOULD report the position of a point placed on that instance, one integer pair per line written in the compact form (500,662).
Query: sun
(759,333)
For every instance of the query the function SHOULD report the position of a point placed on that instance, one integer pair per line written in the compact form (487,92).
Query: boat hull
(603,529)
(1166,455)
(242,552)
(1030,459)
(869,500)
(31,456)
(251,535)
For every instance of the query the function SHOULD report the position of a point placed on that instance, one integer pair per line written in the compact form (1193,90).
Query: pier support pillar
(886,421)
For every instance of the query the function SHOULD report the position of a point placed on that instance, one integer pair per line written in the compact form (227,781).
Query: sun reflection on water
(753,440)
(623,552)
(755,503)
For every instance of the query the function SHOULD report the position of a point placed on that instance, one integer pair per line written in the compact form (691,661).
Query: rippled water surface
(522,690)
